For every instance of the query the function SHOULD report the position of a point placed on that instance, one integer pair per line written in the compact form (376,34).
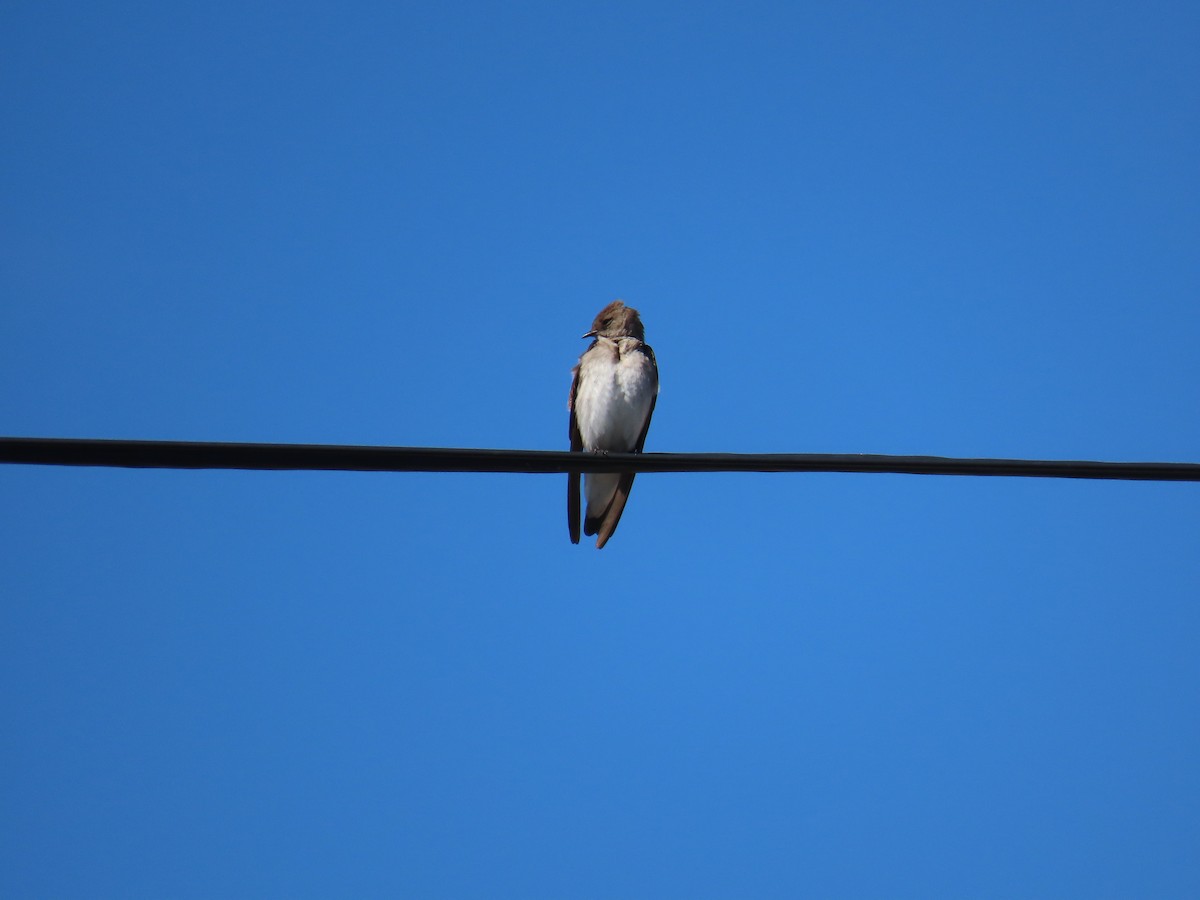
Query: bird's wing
(576,447)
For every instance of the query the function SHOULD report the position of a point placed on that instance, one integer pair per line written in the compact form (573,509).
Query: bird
(614,388)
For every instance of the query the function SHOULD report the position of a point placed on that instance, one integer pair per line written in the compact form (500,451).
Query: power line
(332,457)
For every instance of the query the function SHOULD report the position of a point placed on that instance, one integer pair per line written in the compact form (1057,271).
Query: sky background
(943,228)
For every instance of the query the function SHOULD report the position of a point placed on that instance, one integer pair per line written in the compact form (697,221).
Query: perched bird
(613,391)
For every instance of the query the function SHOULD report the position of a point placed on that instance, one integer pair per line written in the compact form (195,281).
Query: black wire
(331,457)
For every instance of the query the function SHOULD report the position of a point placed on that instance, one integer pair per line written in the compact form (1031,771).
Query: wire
(332,457)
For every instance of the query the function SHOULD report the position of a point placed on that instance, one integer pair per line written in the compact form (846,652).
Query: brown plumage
(613,392)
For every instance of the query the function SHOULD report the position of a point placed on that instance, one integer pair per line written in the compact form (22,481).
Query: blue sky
(955,229)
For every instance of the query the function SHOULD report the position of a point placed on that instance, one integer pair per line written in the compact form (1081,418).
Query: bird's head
(617,321)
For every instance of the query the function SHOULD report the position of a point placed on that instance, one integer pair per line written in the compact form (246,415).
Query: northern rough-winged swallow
(613,391)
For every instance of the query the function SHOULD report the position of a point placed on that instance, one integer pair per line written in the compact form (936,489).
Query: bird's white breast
(616,388)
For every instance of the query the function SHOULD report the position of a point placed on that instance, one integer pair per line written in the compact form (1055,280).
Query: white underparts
(617,384)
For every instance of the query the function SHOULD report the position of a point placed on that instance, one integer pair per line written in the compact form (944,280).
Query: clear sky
(964,229)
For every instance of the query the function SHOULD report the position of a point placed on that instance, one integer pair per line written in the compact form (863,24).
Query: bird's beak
(590,334)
